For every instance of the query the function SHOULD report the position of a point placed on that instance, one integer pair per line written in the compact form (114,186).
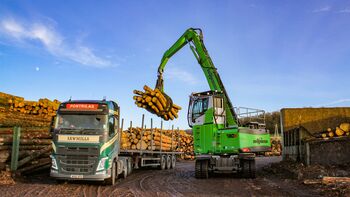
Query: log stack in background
(276,147)
(340,131)
(186,145)
(157,103)
(172,140)
(34,150)
(34,118)
(15,111)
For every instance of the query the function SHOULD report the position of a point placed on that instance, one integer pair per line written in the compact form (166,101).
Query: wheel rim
(125,173)
(168,162)
(163,163)
(129,167)
(173,163)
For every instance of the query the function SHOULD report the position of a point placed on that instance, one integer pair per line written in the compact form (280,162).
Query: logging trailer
(86,144)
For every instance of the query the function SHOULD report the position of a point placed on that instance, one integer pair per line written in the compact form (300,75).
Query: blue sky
(270,54)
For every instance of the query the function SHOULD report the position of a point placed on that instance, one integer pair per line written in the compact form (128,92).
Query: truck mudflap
(98,176)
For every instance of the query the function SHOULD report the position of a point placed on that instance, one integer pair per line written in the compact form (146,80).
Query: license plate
(76,176)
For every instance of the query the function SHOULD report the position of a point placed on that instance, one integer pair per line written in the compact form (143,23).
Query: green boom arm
(195,39)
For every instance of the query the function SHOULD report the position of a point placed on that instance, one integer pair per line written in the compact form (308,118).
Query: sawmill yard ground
(176,182)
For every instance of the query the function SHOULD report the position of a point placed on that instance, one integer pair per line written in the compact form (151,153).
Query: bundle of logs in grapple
(156,139)
(157,103)
(342,130)
(34,149)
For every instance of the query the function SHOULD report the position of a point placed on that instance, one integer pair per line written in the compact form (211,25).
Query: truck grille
(77,164)
(63,150)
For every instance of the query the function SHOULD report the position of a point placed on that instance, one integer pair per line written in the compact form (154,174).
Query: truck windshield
(69,121)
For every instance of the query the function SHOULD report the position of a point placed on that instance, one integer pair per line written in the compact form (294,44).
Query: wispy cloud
(52,41)
(346,10)
(181,75)
(322,9)
(335,102)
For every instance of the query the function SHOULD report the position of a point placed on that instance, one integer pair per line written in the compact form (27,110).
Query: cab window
(116,124)
(200,106)
(111,125)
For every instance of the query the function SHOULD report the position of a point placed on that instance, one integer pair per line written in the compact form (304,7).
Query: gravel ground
(176,182)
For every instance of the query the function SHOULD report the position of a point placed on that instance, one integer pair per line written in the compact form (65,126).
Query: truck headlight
(101,164)
(54,163)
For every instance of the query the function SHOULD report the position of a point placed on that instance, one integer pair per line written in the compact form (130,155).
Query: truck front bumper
(98,176)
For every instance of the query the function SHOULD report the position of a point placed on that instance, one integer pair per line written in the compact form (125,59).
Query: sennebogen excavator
(222,143)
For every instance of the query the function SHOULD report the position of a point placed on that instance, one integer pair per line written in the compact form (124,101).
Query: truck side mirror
(52,124)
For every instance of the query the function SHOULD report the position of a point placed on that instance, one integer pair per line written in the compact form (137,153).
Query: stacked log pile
(157,103)
(340,131)
(186,145)
(276,147)
(165,140)
(15,111)
(34,118)
(34,150)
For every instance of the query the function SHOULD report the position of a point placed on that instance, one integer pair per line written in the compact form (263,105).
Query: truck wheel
(244,168)
(129,166)
(198,169)
(252,169)
(201,169)
(125,172)
(248,168)
(173,161)
(205,173)
(168,162)
(111,180)
(162,162)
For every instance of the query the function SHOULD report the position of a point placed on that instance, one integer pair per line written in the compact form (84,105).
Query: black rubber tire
(198,169)
(162,162)
(111,180)
(205,169)
(202,169)
(248,168)
(252,167)
(173,161)
(168,162)
(244,168)
(130,166)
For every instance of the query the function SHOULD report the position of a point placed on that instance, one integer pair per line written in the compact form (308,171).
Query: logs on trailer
(145,139)
(165,140)
(157,103)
